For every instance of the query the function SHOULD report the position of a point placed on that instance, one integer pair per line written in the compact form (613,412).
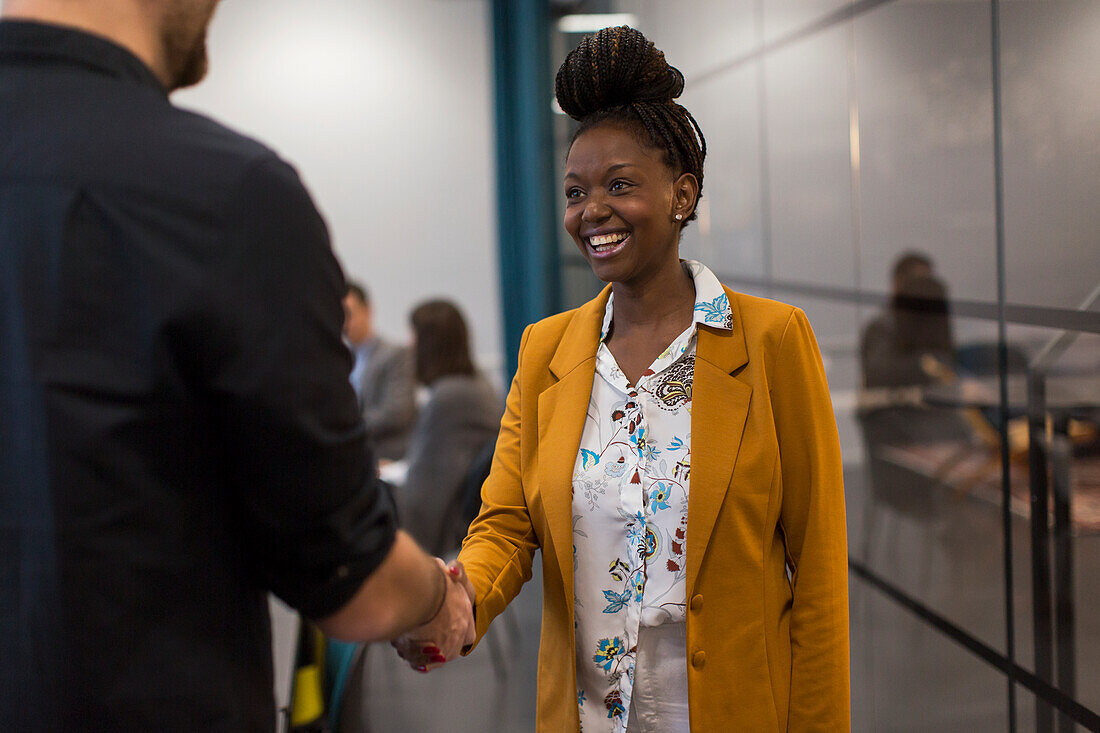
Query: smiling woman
(670,447)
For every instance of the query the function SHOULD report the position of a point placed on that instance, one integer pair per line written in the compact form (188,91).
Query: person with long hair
(671,448)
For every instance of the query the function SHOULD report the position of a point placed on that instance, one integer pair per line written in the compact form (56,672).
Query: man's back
(169,334)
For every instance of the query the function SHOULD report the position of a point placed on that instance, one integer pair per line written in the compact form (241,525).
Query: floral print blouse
(630,508)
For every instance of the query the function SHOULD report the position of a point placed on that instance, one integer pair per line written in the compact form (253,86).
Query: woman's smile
(604,245)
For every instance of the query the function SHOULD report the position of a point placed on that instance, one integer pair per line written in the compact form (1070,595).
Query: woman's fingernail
(431,650)
(422,668)
(453,571)
(437,659)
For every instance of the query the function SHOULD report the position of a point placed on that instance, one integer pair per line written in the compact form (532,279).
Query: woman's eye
(618,185)
(573,193)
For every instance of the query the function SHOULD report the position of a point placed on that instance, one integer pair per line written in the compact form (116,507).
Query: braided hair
(618,75)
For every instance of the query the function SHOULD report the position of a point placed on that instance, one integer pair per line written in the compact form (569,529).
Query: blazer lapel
(719,408)
(562,410)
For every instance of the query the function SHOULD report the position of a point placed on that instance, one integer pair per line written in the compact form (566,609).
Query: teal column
(530,279)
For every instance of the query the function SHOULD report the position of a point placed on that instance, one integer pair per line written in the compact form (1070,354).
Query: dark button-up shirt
(177,430)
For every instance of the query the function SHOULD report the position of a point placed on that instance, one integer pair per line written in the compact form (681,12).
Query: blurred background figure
(382,378)
(915,323)
(456,428)
(905,349)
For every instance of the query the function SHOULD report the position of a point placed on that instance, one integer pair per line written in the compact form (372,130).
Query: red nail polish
(453,571)
(421,668)
(437,659)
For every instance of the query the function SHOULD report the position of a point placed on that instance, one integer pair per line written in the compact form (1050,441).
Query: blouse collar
(712,307)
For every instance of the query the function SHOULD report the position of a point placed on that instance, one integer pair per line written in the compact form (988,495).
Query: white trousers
(659,703)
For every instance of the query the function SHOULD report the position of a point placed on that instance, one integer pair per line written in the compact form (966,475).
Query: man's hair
(442,341)
(357,289)
(619,76)
(911,263)
(922,315)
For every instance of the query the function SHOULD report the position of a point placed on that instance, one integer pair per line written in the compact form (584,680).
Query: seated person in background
(906,349)
(460,418)
(911,345)
(890,356)
(382,378)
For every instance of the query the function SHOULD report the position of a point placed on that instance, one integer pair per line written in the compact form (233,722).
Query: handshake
(451,629)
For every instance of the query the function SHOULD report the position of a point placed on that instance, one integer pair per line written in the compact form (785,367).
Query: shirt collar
(367,347)
(712,307)
(23,41)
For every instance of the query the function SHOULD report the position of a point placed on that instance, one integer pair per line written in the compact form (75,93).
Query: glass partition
(921,178)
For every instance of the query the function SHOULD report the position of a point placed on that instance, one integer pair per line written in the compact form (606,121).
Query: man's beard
(189,67)
(184,39)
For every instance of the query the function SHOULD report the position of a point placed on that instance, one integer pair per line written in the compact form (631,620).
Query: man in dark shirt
(177,430)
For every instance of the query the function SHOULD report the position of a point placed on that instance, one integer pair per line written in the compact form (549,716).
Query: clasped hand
(442,638)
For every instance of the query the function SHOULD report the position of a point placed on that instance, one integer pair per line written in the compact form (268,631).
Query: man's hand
(458,572)
(443,638)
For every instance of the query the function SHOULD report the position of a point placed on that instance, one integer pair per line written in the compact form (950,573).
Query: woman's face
(621,202)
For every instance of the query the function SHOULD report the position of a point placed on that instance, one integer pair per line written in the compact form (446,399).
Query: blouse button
(697,603)
(698,660)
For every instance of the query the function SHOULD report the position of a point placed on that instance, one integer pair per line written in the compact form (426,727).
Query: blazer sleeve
(395,410)
(500,546)
(813,523)
(424,496)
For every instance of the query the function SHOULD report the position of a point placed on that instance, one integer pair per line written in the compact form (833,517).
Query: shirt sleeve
(395,411)
(314,519)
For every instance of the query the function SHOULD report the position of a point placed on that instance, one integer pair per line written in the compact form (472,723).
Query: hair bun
(613,68)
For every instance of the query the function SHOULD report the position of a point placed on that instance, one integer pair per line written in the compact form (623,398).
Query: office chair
(466,505)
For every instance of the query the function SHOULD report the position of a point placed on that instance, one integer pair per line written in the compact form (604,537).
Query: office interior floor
(906,676)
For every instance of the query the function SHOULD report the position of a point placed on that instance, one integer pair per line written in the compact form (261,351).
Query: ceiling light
(592,22)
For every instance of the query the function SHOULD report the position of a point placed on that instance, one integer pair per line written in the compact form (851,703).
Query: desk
(1062,394)
(928,459)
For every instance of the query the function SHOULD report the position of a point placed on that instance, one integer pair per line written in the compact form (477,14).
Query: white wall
(386,110)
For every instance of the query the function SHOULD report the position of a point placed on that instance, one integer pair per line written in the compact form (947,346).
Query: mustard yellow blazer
(767,577)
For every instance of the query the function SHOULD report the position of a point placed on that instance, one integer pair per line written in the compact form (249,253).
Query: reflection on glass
(917,387)
(782,17)
(1059,397)
(729,236)
(1051,112)
(923,86)
(907,676)
(808,125)
(932,458)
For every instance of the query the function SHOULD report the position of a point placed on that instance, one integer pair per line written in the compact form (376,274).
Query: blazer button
(697,603)
(698,660)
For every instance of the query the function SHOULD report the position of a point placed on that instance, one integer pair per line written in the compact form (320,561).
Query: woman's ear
(685,193)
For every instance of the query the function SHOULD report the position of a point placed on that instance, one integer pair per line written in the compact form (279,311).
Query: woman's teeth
(606,242)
